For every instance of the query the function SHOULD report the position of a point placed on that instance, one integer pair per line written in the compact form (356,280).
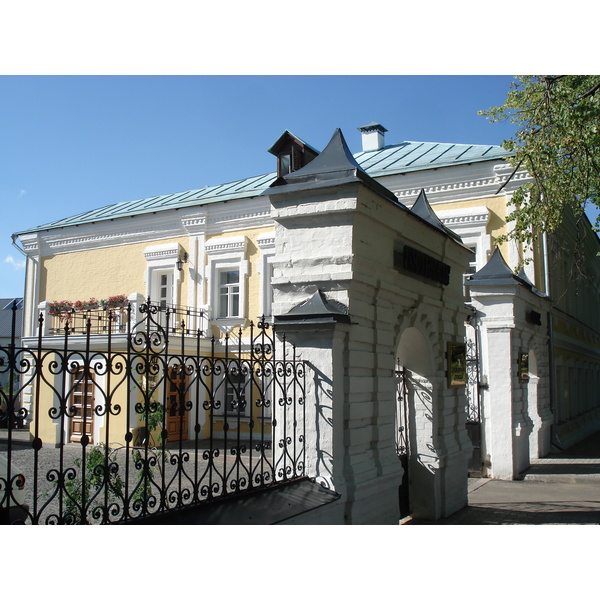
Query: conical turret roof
(423,209)
(497,273)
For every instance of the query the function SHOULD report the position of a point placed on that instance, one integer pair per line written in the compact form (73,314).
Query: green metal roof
(418,156)
(390,160)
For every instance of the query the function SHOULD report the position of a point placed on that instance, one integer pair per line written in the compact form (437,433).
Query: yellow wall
(105,272)
(497,223)
(97,273)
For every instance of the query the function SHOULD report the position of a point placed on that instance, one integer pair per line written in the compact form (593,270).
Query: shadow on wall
(323,395)
(422,402)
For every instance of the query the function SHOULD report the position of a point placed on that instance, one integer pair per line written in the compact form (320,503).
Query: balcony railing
(104,320)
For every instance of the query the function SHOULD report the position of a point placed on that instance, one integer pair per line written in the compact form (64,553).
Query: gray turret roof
(496,272)
(423,209)
(317,308)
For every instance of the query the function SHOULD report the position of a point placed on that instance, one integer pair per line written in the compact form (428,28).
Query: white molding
(455,183)
(163,254)
(160,259)
(226,245)
(223,254)
(266,245)
(266,240)
(471,225)
(468,218)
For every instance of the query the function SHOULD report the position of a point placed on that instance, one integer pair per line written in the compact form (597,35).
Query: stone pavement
(560,489)
(563,488)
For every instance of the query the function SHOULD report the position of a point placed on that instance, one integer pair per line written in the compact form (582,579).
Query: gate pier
(353,269)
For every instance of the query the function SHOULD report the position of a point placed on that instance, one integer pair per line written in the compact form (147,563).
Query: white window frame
(226,254)
(160,260)
(266,245)
(228,291)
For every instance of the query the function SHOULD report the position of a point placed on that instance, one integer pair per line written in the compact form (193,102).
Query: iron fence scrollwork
(118,431)
(473,393)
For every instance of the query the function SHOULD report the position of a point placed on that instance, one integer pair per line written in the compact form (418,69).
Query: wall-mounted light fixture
(181,261)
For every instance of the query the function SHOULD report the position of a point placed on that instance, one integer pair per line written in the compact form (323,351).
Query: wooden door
(177,397)
(82,405)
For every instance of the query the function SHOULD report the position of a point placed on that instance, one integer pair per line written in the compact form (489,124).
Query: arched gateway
(361,285)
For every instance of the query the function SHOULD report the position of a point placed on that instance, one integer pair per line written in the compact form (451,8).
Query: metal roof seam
(386,156)
(463,153)
(442,154)
(421,156)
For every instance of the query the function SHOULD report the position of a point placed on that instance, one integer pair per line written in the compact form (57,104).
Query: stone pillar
(515,414)
(322,346)
(497,400)
(345,448)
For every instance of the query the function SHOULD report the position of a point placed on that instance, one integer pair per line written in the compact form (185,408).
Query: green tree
(558,143)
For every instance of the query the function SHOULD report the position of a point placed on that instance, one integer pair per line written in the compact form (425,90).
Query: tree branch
(509,177)
(592,91)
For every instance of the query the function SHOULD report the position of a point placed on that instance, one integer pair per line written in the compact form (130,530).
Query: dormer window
(292,153)
(284,165)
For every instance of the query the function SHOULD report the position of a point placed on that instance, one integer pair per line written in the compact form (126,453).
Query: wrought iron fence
(403,437)
(401,415)
(473,385)
(152,424)
(473,389)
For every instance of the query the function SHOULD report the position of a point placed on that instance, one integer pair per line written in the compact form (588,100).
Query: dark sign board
(422,264)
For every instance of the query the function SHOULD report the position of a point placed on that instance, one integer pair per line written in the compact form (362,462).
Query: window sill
(227,324)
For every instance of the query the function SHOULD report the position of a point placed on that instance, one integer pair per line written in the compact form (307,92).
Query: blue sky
(73,143)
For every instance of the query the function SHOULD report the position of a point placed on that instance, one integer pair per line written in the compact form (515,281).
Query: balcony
(119,315)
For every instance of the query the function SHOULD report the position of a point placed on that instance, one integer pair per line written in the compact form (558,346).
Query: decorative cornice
(236,244)
(150,228)
(266,241)
(167,251)
(240,220)
(239,216)
(194,225)
(479,186)
(476,219)
(68,242)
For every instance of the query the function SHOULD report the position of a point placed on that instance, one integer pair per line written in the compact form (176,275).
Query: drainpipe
(31,302)
(554,441)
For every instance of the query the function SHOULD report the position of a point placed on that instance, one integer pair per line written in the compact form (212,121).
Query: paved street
(559,489)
